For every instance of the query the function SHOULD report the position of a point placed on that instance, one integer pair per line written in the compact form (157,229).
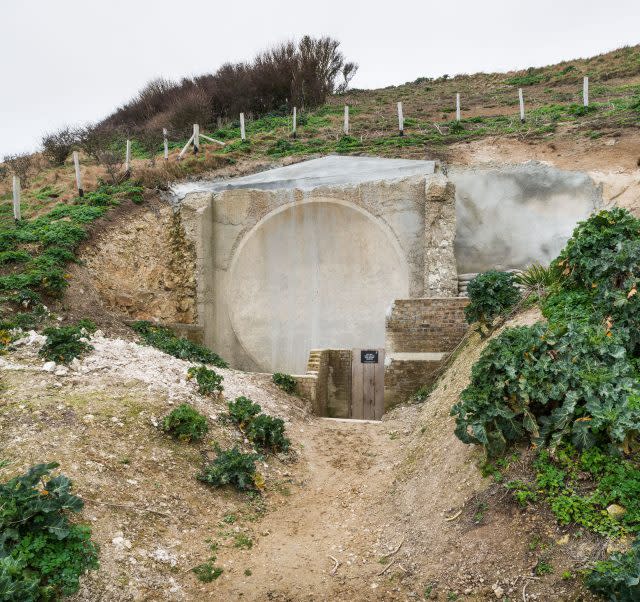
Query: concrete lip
(330,171)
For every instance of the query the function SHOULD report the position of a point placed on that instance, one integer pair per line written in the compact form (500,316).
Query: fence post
(585,91)
(16,198)
(127,159)
(457,106)
(196,138)
(243,135)
(521,99)
(400,119)
(295,119)
(76,162)
(346,120)
(166,144)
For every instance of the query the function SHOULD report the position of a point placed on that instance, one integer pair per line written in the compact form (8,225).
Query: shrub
(57,146)
(185,423)
(286,382)
(243,410)
(42,555)
(231,467)
(491,294)
(206,572)
(21,165)
(64,343)
(537,277)
(268,433)
(209,381)
(164,339)
(618,578)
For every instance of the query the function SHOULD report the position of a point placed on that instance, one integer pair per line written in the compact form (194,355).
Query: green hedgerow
(286,382)
(268,433)
(231,467)
(164,339)
(42,554)
(185,423)
(209,381)
(491,294)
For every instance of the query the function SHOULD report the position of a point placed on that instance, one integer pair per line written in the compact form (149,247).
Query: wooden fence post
(585,91)
(457,106)
(400,119)
(243,135)
(346,120)
(76,163)
(295,119)
(196,138)
(16,198)
(166,144)
(521,99)
(127,159)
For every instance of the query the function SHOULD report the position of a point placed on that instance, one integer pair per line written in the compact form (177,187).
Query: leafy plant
(42,554)
(164,339)
(206,572)
(618,578)
(537,277)
(185,423)
(286,382)
(491,294)
(231,467)
(522,492)
(242,410)
(268,433)
(209,381)
(64,343)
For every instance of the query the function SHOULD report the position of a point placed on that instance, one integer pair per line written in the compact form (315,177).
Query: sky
(68,62)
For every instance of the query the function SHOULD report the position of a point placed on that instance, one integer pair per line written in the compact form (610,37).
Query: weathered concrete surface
(512,216)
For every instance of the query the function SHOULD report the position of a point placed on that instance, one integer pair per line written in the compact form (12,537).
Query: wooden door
(367,384)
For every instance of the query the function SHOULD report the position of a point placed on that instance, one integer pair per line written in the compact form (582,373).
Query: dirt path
(344,467)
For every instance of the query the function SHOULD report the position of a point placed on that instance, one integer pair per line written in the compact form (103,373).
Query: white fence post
(585,91)
(346,120)
(400,119)
(243,135)
(76,162)
(127,159)
(196,138)
(457,106)
(295,119)
(166,144)
(16,198)
(521,99)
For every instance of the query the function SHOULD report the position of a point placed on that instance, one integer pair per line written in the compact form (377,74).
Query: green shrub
(206,572)
(164,339)
(268,433)
(185,423)
(491,294)
(522,492)
(42,555)
(524,80)
(209,381)
(618,578)
(242,410)
(286,382)
(64,343)
(537,277)
(231,467)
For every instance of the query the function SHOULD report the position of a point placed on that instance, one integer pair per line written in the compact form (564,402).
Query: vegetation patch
(267,433)
(185,423)
(286,382)
(209,381)
(491,294)
(232,467)
(64,343)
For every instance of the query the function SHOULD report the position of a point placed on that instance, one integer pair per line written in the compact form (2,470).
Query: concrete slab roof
(333,171)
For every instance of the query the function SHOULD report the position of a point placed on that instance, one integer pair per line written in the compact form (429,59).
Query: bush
(57,146)
(21,165)
(231,467)
(537,277)
(491,294)
(209,381)
(64,343)
(618,578)
(42,555)
(243,410)
(185,423)
(268,433)
(164,339)
(286,382)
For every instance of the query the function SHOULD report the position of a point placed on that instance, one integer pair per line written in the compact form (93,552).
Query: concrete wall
(512,216)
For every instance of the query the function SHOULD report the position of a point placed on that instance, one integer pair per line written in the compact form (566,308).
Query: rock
(164,556)
(120,543)
(75,364)
(498,591)
(62,371)
(31,339)
(615,511)
(563,540)
(49,366)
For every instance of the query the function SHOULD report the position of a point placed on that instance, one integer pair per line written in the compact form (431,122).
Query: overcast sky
(73,61)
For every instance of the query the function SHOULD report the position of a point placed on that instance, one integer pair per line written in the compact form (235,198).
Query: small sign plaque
(369,356)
